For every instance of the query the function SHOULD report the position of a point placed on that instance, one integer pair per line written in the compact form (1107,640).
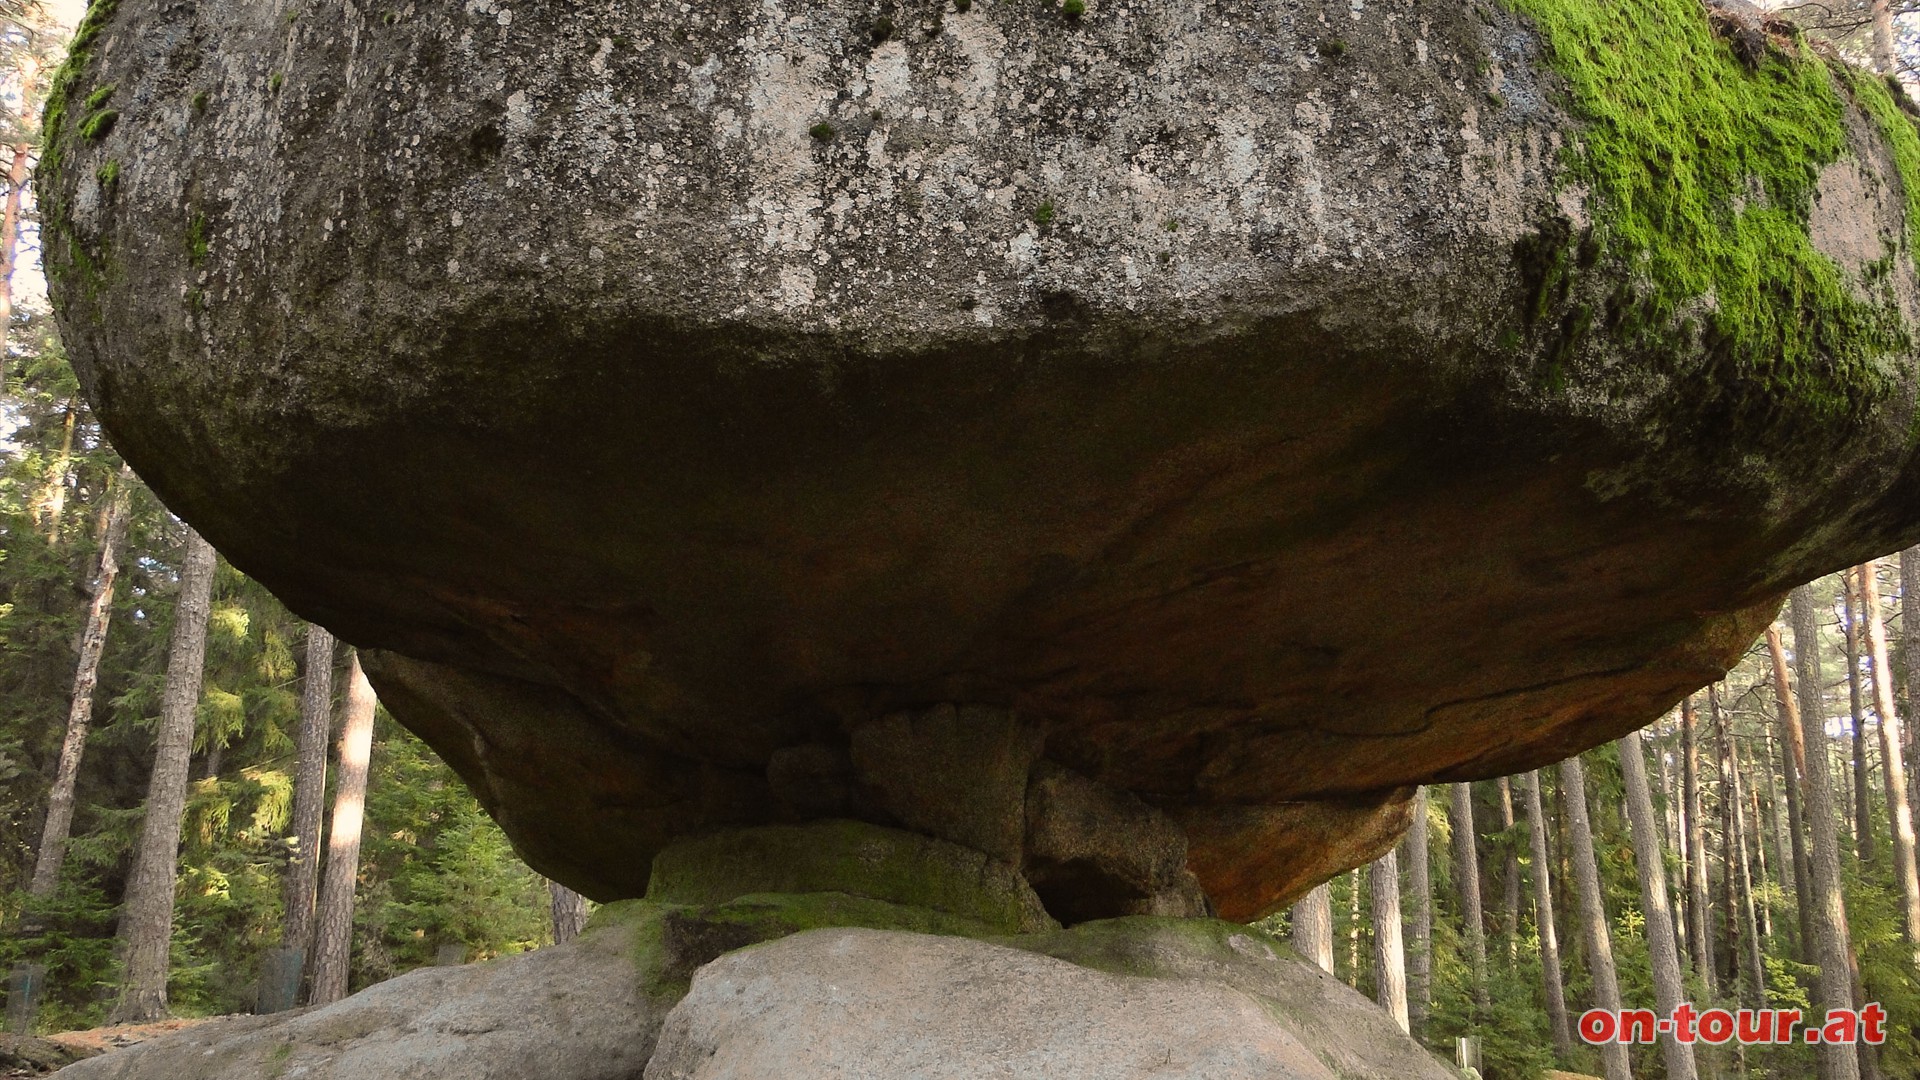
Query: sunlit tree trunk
(1885,60)
(1910,651)
(146,917)
(1669,990)
(1352,929)
(1593,912)
(50,508)
(333,936)
(58,826)
(1861,821)
(1420,887)
(1892,755)
(1466,882)
(1832,946)
(1389,952)
(309,791)
(1700,914)
(1313,926)
(10,242)
(1544,919)
(569,910)
(1740,870)
(1671,836)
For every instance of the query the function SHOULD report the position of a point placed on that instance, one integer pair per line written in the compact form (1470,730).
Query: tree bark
(1670,837)
(51,507)
(1512,882)
(1793,766)
(1701,914)
(1832,946)
(1669,988)
(146,918)
(1593,912)
(1389,952)
(1466,882)
(1353,929)
(1885,60)
(10,242)
(1910,650)
(1313,926)
(1892,754)
(333,937)
(569,912)
(309,791)
(1861,822)
(58,826)
(1740,872)
(1420,884)
(1544,919)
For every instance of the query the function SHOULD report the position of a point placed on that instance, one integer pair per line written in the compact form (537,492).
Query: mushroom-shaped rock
(1214,419)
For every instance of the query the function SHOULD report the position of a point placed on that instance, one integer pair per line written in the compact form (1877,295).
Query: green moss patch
(1149,946)
(672,941)
(848,857)
(1702,172)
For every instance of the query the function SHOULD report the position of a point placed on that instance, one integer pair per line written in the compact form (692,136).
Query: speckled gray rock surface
(875,1005)
(672,390)
(577,1011)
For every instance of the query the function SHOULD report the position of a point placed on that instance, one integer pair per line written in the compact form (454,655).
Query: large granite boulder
(717,415)
(851,986)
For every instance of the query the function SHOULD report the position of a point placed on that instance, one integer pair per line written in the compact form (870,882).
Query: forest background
(1496,930)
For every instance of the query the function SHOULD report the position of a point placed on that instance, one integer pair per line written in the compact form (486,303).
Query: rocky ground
(31,1055)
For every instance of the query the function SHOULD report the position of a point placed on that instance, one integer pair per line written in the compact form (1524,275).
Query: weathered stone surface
(579,1011)
(850,857)
(863,1004)
(959,774)
(1096,853)
(1103,1000)
(1271,404)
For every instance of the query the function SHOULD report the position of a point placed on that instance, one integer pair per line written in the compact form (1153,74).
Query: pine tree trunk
(1353,929)
(51,507)
(146,918)
(1313,927)
(1885,60)
(1697,908)
(1670,836)
(1757,833)
(309,792)
(10,242)
(1740,872)
(1543,918)
(1466,882)
(58,826)
(569,912)
(1792,771)
(1784,842)
(1420,884)
(1910,650)
(1593,912)
(1512,883)
(1669,989)
(333,936)
(1832,947)
(1389,952)
(1861,822)
(1892,755)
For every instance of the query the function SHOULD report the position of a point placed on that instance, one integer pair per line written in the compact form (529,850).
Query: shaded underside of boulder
(1252,414)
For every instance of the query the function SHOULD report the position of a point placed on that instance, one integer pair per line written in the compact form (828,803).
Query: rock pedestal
(884,977)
